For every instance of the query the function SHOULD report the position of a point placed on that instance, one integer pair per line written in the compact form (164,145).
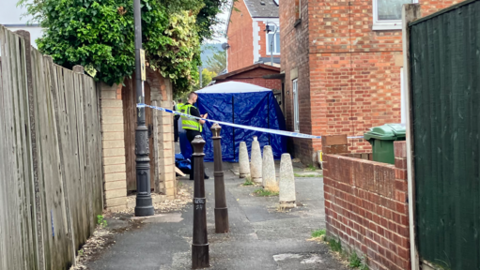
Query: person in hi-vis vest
(193,127)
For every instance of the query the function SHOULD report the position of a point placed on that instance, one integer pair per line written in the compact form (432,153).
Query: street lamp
(143,202)
(271,27)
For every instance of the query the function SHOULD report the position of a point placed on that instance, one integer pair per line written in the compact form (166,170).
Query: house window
(276,42)
(387,14)
(296,116)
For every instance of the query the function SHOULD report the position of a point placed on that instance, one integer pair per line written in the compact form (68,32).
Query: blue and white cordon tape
(265,130)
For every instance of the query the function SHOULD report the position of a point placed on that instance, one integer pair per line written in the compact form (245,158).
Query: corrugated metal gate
(445,81)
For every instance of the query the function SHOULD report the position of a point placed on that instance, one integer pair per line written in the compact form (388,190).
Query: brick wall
(354,72)
(366,207)
(294,62)
(113,160)
(240,38)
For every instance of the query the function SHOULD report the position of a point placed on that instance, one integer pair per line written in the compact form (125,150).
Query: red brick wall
(263,40)
(240,38)
(294,51)
(366,207)
(354,72)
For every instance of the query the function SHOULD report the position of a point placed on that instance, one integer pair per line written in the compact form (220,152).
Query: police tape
(264,130)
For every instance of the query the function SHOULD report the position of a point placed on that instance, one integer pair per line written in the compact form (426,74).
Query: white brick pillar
(114,168)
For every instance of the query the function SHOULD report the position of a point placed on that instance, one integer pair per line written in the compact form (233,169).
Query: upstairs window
(387,14)
(276,42)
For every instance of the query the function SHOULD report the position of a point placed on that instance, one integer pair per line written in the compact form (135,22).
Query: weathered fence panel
(445,81)
(50,158)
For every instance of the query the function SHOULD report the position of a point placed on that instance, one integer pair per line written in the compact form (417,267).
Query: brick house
(342,62)
(248,42)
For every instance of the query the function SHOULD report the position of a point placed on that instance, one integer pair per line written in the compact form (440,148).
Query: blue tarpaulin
(244,104)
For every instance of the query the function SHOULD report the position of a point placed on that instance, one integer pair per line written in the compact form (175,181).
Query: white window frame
(385,24)
(296,109)
(274,43)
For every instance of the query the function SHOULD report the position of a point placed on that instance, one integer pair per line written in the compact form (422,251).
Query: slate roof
(262,8)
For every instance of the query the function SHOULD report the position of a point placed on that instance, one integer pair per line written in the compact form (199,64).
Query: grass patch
(354,260)
(311,168)
(318,233)
(265,193)
(335,246)
(101,221)
(248,182)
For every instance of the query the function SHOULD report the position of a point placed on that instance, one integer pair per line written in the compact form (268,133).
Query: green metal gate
(445,81)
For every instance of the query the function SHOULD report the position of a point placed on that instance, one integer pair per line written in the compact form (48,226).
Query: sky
(221,27)
(11,14)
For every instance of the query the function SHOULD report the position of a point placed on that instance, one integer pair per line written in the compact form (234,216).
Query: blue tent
(243,104)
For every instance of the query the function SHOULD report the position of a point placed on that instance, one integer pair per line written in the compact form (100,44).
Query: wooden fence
(50,158)
(443,74)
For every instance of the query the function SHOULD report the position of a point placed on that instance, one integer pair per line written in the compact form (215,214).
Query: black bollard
(200,256)
(221,210)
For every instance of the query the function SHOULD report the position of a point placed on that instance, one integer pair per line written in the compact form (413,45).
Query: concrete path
(260,236)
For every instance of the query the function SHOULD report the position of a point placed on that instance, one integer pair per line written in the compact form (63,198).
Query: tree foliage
(207,17)
(207,77)
(217,62)
(99,35)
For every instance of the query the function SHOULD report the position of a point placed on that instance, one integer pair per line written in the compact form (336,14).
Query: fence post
(37,228)
(410,13)
(200,256)
(221,210)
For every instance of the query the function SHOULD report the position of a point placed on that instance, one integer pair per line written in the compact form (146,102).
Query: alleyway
(260,237)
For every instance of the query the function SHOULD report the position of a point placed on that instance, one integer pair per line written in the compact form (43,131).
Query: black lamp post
(143,203)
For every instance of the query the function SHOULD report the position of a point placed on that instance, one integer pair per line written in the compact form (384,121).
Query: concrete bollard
(256,162)
(287,196)
(269,180)
(244,164)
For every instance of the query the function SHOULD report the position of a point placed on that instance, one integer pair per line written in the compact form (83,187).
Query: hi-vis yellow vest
(189,123)
(178,107)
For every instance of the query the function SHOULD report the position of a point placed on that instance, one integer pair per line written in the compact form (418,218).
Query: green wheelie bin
(381,138)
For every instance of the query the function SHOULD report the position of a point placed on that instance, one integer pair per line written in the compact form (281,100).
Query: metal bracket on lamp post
(143,202)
